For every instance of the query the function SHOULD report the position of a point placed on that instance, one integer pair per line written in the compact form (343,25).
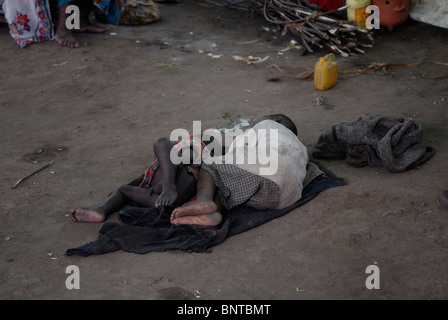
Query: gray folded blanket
(394,143)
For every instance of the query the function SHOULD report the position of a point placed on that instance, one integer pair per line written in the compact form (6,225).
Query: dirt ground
(95,111)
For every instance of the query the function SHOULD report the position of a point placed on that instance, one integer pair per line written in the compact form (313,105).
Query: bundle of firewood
(312,27)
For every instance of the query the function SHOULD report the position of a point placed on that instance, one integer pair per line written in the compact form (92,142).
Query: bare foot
(193,209)
(88,27)
(86,215)
(212,219)
(65,38)
(167,196)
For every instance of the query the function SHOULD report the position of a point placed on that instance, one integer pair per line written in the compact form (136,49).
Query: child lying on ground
(168,184)
(163,184)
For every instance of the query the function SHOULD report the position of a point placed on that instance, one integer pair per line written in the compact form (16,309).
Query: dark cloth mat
(149,229)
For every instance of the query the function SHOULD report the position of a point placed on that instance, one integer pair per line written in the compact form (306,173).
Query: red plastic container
(392,12)
(328,5)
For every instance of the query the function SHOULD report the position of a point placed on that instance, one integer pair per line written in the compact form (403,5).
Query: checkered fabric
(236,186)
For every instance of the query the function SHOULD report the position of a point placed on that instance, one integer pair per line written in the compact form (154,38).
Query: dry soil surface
(95,111)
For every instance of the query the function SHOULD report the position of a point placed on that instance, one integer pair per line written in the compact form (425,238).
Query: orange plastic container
(392,12)
(326,72)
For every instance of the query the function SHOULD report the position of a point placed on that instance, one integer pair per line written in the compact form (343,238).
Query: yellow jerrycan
(357,11)
(326,72)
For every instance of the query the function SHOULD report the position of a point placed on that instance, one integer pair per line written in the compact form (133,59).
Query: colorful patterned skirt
(30,20)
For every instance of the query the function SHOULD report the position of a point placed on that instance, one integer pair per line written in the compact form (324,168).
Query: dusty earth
(95,111)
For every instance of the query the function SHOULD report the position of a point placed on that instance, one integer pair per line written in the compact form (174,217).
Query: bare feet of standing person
(64,36)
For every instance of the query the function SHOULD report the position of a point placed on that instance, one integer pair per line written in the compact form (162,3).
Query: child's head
(280,118)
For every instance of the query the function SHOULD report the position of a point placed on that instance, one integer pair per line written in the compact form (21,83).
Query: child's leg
(185,183)
(117,199)
(167,181)
(63,35)
(205,210)
(168,171)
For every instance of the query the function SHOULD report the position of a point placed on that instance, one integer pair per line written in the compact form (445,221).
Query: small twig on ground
(32,174)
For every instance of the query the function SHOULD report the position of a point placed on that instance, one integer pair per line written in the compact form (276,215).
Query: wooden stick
(32,174)
(312,28)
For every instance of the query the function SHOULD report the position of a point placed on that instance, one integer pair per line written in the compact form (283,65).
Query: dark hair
(284,120)
(288,123)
